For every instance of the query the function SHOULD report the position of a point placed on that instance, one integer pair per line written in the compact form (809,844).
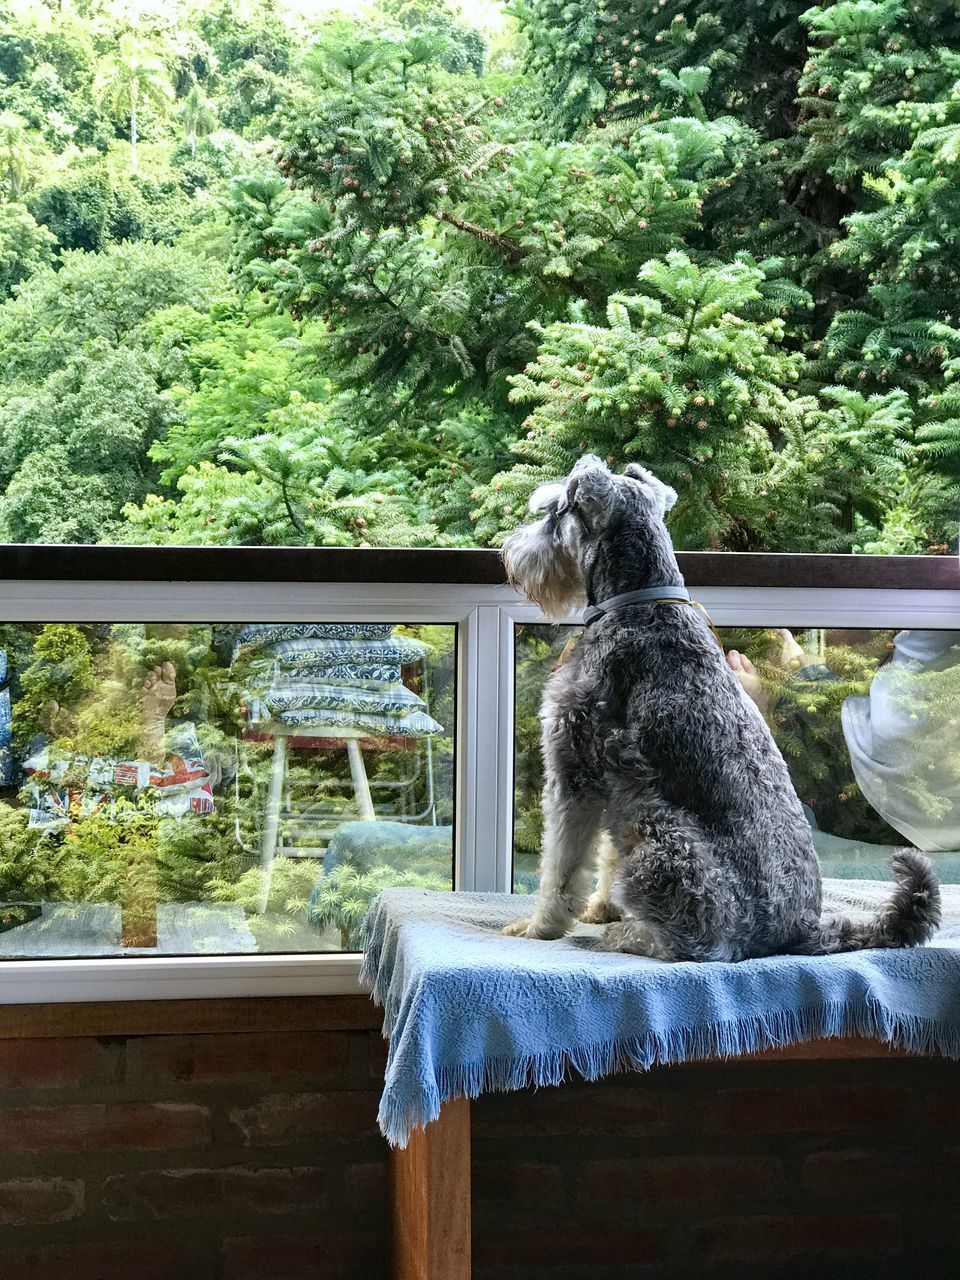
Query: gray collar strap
(642,596)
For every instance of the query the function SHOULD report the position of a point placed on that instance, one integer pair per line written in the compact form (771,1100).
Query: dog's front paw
(599,910)
(529,927)
(518,929)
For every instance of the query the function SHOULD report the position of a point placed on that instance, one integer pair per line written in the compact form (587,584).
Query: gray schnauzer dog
(652,747)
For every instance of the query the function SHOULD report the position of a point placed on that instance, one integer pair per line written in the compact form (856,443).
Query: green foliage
(105,295)
(60,672)
(16,156)
(422,252)
(606,60)
(91,205)
(676,374)
(227,379)
(25,247)
(131,81)
(198,117)
(81,407)
(344,894)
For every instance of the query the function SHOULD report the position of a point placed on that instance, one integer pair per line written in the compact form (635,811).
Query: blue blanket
(467,1010)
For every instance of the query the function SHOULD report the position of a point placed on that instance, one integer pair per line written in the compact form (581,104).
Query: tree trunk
(139,897)
(133,137)
(138,916)
(193,144)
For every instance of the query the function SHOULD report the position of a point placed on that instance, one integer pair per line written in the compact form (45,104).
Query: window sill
(27,982)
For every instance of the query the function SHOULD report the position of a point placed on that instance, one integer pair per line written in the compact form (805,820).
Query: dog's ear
(547,497)
(590,490)
(665,495)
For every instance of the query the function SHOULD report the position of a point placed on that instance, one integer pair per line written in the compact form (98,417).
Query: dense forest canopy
(282,274)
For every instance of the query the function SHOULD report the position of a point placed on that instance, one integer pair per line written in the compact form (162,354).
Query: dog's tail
(909,919)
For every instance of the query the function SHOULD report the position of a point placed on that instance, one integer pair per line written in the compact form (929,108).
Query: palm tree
(198,116)
(15,155)
(132,77)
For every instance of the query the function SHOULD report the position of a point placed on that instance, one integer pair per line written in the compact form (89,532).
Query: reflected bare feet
(49,715)
(749,678)
(786,655)
(158,696)
(159,691)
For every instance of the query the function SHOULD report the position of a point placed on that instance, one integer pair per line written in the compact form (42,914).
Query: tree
(131,80)
(416,240)
(104,295)
(460,48)
(342,896)
(25,247)
(198,116)
(16,155)
(75,453)
(227,376)
(606,61)
(680,374)
(80,404)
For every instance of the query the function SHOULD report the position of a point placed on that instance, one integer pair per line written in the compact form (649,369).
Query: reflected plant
(805,716)
(61,672)
(92,859)
(291,882)
(343,895)
(15,846)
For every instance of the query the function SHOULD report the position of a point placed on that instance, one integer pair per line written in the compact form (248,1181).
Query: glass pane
(187,789)
(866,720)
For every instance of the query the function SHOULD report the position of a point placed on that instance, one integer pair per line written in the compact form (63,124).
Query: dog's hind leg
(600,909)
(677,901)
(571,821)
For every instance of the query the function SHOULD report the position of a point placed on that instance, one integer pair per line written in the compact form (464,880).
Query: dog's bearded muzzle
(541,563)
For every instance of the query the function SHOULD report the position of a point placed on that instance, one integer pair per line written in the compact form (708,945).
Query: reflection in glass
(196,788)
(866,720)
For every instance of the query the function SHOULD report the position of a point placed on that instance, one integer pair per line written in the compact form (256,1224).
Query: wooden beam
(836,1048)
(431,1199)
(31,562)
(190,1017)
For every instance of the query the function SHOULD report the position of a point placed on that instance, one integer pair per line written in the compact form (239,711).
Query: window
(285,836)
(865,718)
(207,789)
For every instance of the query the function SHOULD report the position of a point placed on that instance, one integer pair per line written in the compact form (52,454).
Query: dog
(653,751)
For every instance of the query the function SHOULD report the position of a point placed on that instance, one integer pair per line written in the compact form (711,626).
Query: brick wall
(192,1157)
(768,1169)
(254,1156)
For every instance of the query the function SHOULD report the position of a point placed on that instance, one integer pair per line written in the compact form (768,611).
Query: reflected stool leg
(271,819)
(361,786)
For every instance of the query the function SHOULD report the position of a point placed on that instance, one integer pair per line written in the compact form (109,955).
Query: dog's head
(598,533)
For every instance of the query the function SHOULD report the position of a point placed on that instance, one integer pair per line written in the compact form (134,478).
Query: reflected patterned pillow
(294,654)
(6,739)
(358,674)
(391,699)
(256,635)
(417,724)
(6,726)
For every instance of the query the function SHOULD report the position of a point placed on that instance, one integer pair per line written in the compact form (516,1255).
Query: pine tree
(677,374)
(609,60)
(438,227)
(441,242)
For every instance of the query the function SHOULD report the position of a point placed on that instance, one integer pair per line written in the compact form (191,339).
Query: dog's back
(669,715)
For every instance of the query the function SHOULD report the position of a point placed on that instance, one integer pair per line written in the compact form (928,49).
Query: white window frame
(486,617)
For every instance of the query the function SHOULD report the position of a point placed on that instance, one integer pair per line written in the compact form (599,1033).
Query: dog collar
(676,595)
